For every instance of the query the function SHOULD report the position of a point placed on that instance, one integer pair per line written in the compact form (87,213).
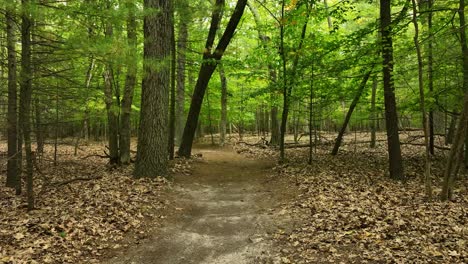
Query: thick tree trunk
(130,81)
(391,117)
(172,104)
(453,160)
(224,95)
(152,156)
(12,125)
(207,69)
(339,138)
(25,98)
(181,61)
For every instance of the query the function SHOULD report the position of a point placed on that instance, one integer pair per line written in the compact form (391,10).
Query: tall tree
(26,94)
(152,149)
(130,81)
(289,80)
(172,104)
(391,117)
(12,129)
(425,117)
(112,107)
(210,59)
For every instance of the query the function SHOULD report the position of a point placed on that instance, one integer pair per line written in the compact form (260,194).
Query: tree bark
(12,124)
(130,81)
(206,71)
(451,130)
(172,104)
(339,138)
(152,156)
(391,117)
(181,61)
(25,97)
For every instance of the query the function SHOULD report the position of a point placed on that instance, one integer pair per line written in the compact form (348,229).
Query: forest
(233,131)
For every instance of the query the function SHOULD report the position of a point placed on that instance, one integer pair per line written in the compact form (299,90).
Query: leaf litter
(349,211)
(79,221)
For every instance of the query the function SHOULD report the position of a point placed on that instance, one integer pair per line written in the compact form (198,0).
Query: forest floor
(237,205)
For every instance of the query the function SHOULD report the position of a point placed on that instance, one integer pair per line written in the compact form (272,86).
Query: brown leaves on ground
(350,212)
(78,221)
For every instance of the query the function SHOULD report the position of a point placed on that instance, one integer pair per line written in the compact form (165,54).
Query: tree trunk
(223,123)
(274,140)
(111,108)
(152,156)
(373,114)
(12,125)
(391,117)
(287,87)
(172,124)
(130,81)
(425,119)
(453,160)
(451,130)
(207,69)
(339,138)
(430,72)
(181,61)
(39,129)
(25,97)
(311,116)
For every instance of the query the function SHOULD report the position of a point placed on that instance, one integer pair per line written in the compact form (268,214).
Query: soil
(226,211)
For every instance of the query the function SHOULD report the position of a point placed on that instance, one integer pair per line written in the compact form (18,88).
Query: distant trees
(26,77)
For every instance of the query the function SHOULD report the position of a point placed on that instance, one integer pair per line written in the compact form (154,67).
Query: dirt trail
(226,212)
